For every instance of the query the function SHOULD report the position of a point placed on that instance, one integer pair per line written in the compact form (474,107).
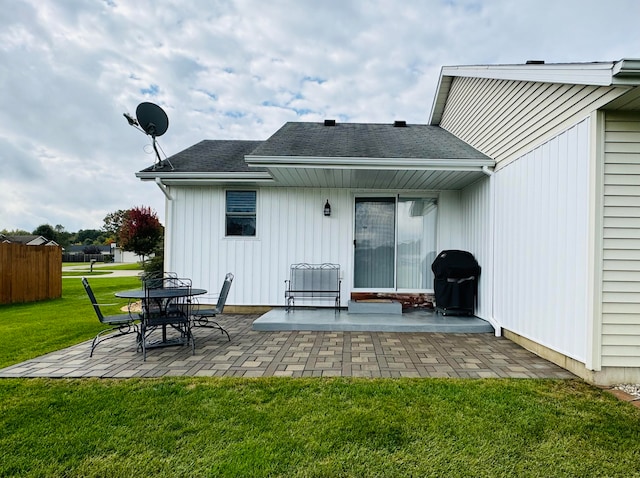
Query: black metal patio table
(161,309)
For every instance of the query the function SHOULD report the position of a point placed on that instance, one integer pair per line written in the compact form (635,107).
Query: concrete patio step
(384,306)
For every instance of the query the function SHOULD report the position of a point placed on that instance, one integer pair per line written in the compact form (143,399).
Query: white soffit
(379,173)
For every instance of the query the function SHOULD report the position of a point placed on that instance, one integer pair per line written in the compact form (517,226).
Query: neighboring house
(120,255)
(534,168)
(29,240)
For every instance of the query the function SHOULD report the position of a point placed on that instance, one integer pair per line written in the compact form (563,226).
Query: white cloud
(239,70)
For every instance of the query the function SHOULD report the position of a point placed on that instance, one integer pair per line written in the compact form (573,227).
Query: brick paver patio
(298,354)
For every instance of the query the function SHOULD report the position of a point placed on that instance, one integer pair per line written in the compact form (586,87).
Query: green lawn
(291,427)
(314,428)
(29,330)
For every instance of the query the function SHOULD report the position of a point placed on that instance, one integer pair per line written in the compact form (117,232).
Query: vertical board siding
(541,243)
(621,241)
(476,206)
(504,119)
(291,228)
(449,234)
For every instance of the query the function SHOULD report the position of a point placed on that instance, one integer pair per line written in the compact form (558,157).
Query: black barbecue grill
(455,282)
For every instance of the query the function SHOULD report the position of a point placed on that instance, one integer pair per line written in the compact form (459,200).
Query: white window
(240,213)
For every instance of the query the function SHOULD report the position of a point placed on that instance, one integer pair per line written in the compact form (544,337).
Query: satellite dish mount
(154,122)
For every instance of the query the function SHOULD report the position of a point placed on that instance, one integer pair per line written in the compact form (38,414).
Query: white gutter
(369,163)
(218,176)
(164,189)
(487,171)
(626,72)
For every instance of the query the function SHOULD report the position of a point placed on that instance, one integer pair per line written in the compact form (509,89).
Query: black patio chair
(123,323)
(204,317)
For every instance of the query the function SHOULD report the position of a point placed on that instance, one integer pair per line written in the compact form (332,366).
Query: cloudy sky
(69,69)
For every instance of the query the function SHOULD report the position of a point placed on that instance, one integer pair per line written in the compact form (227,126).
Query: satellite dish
(152,119)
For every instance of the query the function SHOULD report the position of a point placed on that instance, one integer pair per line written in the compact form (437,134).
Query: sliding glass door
(395,243)
(375,243)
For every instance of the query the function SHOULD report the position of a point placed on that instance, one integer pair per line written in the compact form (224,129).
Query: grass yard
(188,427)
(29,330)
(291,427)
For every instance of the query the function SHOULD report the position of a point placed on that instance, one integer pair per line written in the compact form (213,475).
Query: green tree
(47,231)
(113,223)
(62,236)
(88,236)
(141,231)
(15,232)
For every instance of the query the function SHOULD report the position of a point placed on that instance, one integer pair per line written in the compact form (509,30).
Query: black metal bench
(313,281)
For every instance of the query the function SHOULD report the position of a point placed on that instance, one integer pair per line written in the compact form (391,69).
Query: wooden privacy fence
(29,273)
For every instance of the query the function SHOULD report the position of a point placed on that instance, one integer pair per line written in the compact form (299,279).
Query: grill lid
(455,264)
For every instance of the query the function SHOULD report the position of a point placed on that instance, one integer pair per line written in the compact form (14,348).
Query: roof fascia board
(215,176)
(442,93)
(598,74)
(366,163)
(216,182)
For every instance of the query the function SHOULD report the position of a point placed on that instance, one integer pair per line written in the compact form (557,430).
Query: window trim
(227,214)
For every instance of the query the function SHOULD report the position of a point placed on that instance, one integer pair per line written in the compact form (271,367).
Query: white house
(122,256)
(534,168)
(29,240)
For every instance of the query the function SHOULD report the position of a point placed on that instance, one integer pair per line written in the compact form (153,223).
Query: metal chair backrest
(224,292)
(156,280)
(92,297)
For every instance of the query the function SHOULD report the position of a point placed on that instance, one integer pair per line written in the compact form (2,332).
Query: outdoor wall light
(327,209)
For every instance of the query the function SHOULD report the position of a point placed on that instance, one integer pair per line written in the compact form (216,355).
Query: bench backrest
(315,280)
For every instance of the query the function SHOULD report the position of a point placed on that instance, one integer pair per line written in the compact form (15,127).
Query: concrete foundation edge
(606,377)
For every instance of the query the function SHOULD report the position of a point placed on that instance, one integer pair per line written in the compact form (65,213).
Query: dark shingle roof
(366,140)
(211,156)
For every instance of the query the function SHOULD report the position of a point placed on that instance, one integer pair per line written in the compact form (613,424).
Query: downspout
(164,189)
(492,221)
(168,211)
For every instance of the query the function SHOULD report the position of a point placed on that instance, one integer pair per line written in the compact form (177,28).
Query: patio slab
(327,319)
(252,353)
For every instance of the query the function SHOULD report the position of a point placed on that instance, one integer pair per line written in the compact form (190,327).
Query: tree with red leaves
(141,231)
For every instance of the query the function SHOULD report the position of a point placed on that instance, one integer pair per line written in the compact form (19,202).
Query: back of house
(533,168)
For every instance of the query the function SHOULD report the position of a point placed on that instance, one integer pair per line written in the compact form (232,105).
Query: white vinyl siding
(291,228)
(505,119)
(621,241)
(541,243)
(477,236)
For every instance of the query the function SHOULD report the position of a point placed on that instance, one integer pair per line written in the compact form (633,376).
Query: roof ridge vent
(535,62)
(400,124)
(329,122)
